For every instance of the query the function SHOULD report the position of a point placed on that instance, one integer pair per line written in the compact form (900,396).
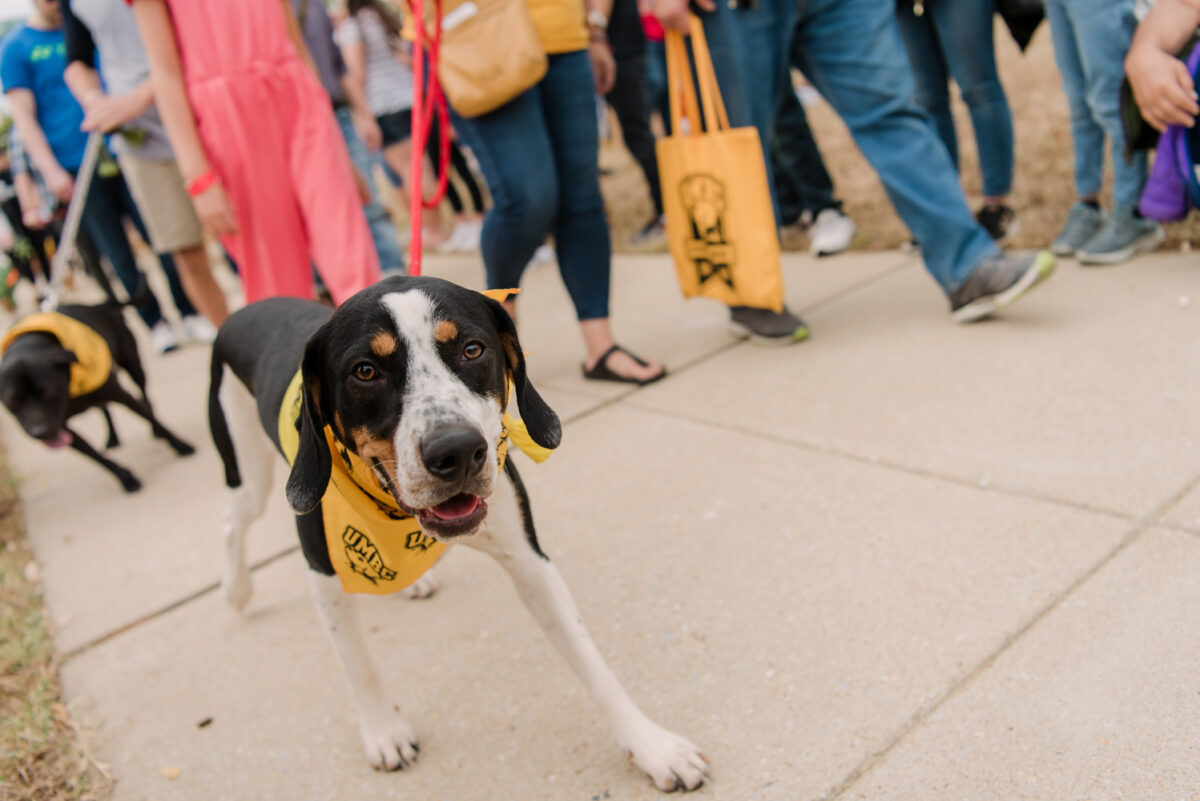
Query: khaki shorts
(158,189)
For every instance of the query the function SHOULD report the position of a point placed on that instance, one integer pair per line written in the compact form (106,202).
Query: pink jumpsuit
(268,129)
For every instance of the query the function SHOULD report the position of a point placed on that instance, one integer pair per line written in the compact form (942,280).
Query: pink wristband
(198,186)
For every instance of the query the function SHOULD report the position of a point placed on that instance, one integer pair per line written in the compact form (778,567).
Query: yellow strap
(519,435)
(710,114)
(706,76)
(499,295)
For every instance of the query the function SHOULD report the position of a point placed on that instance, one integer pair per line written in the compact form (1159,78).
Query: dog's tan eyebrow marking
(383,344)
(445,331)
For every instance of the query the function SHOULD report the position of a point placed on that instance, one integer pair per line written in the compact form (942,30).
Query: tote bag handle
(708,115)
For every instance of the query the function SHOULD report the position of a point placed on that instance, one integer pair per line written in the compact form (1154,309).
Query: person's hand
(32,216)
(60,183)
(673,14)
(1165,92)
(109,112)
(604,66)
(215,211)
(368,131)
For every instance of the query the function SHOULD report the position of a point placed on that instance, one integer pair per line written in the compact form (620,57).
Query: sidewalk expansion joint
(887,464)
(178,603)
(600,406)
(703,358)
(926,710)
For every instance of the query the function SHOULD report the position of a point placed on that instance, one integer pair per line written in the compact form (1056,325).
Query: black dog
(394,405)
(58,364)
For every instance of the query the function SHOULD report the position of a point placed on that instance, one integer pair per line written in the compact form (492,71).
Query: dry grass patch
(42,756)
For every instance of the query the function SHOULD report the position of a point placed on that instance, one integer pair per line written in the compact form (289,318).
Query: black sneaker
(999,221)
(998,282)
(767,327)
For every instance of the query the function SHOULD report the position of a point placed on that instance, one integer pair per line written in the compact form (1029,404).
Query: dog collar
(93,360)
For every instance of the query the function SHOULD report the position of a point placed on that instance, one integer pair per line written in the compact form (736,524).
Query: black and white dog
(410,375)
(59,364)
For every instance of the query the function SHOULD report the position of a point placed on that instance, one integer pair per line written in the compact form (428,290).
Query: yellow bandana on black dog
(374,545)
(93,360)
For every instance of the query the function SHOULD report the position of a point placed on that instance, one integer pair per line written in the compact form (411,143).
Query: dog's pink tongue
(459,506)
(61,440)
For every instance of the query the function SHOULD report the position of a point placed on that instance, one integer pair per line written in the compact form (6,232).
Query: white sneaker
(542,256)
(198,329)
(163,338)
(831,233)
(472,233)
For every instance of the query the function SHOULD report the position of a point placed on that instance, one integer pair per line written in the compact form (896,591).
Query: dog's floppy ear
(310,471)
(540,419)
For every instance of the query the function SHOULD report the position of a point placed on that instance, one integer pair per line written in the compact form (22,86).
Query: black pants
(628,99)
(801,181)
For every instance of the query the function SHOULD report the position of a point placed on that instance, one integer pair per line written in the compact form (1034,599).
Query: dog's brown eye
(364,371)
(472,351)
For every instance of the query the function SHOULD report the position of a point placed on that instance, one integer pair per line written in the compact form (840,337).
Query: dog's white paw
(389,741)
(671,761)
(237,588)
(423,587)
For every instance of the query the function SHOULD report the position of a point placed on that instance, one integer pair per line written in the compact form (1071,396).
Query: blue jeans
(955,39)
(850,50)
(1090,42)
(382,229)
(108,201)
(538,154)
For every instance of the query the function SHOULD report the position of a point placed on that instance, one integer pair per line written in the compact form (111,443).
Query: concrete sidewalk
(905,560)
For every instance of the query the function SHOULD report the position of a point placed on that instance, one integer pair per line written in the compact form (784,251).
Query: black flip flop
(601,372)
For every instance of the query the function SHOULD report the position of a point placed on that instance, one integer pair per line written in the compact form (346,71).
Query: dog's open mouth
(60,440)
(458,515)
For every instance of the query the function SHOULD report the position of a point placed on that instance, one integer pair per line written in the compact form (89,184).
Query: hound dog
(392,411)
(59,364)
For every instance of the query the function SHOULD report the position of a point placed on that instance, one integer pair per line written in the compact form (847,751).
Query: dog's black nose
(454,453)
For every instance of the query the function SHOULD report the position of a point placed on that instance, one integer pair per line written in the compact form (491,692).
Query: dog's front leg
(671,761)
(389,741)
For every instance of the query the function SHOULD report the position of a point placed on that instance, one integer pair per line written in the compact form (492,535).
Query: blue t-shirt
(35,60)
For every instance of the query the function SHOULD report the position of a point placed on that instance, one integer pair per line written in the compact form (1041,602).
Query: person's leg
(514,152)
(1087,136)
(460,165)
(383,231)
(1103,39)
(656,82)
(966,34)
(178,295)
(929,68)
(336,232)
(581,233)
(801,180)
(851,51)
(749,49)
(102,221)
(628,99)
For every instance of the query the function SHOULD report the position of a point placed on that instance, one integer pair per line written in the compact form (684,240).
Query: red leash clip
(425,105)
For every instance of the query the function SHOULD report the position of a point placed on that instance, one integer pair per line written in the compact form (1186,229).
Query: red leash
(425,105)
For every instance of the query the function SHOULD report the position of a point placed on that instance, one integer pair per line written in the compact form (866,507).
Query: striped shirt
(389,82)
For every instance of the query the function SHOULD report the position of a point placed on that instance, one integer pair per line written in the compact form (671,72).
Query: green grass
(41,753)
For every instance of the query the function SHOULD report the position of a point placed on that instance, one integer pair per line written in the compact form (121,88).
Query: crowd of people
(271,125)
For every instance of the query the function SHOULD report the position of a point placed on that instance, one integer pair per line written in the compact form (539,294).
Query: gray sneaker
(1124,236)
(1082,224)
(997,282)
(767,327)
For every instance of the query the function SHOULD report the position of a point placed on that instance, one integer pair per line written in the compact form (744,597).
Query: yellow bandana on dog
(93,360)
(374,545)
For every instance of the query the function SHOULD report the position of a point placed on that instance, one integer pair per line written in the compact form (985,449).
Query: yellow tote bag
(720,221)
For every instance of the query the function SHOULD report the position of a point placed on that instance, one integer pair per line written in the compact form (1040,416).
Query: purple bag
(1174,184)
